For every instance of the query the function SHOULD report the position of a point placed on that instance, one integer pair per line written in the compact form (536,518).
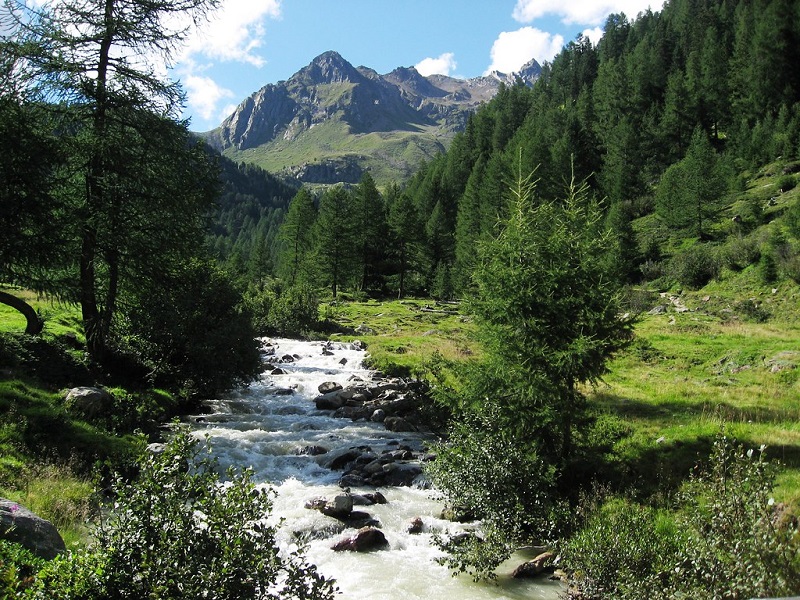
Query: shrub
(17,568)
(738,547)
(739,253)
(295,311)
(696,266)
(786,183)
(484,472)
(180,531)
(730,540)
(622,545)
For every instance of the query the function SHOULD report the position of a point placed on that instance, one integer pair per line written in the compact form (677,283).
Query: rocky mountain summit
(331,121)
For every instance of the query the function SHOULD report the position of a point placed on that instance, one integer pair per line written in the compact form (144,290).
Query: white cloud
(233,33)
(593,34)
(584,12)
(203,95)
(512,49)
(443,65)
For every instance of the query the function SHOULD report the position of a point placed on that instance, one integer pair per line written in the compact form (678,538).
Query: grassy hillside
(386,155)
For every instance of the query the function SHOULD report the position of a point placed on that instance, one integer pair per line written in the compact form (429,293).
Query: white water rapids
(264,425)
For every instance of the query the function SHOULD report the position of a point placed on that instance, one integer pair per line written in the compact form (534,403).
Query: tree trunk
(35,324)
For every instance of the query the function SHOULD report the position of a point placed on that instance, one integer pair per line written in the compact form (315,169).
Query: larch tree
(333,239)
(92,62)
(296,237)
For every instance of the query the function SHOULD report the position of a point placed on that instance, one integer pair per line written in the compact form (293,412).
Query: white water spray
(266,424)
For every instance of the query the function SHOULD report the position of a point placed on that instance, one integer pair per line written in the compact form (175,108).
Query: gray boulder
(21,526)
(329,386)
(89,402)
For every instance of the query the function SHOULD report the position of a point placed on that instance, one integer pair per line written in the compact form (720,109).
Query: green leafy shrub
(181,531)
(622,544)
(728,541)
(739,253)
(491,475)
(17,568)
(738,546)
(295,311)
(786,183)
(696,266)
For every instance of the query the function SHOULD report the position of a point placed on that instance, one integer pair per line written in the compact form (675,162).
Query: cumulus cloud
(583,12)
(204,95)
(445,64)
(233,33)
(512,49)
(594,34)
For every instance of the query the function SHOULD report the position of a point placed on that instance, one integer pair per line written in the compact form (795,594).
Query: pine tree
(691,190)
(404,226)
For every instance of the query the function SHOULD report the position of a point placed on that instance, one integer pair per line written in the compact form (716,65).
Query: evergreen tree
(691,190)
(295,238)
(334,248)
(82,53)
(404,227)
(370,229)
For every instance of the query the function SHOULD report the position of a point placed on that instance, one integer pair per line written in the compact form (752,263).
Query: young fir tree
(547,308)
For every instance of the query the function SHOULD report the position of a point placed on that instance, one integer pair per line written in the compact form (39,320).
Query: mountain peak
(328,67)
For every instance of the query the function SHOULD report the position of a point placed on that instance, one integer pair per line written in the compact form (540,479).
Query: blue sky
(250,43)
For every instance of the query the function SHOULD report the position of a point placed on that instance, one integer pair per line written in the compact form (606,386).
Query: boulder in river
(338,507)
(364,540)
(329,386)
(532,568)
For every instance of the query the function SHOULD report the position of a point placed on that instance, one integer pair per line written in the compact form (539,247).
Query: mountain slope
(330,121)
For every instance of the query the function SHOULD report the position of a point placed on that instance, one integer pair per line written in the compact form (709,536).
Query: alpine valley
(331,121)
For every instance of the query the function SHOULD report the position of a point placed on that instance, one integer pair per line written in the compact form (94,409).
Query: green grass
(406,334)
(47,457)
(688,375)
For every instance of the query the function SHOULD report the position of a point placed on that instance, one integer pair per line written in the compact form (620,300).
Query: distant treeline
(658,118)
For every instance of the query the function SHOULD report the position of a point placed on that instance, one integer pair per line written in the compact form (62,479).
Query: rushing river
(264,425)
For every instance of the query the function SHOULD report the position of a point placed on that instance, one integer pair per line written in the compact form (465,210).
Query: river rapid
(264,426)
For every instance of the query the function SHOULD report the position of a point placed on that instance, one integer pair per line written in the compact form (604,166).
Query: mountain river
(264,425)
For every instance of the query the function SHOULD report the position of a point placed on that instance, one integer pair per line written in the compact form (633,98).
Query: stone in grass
(21,526)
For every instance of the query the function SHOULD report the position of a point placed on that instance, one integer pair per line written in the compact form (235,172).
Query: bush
(180,531)
(622,545)
(738,547)
(17,568)
(729,540)
(696,266)
(295,311)
(740,252)
(786,183)
(484,472)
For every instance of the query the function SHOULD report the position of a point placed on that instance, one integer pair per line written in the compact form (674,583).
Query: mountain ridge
(331,121)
